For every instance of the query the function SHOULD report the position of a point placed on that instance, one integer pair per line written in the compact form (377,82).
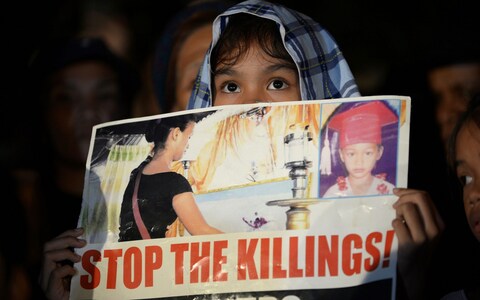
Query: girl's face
(257,77)
(467,161)
(360,159)
(182,140)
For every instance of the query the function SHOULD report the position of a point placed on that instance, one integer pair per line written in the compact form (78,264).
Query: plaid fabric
(324,72)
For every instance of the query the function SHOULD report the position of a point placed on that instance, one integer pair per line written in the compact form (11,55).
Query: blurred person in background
(453,79)
(109,21)
(76,83)
(451,71)
(440,83)
(464,162)
(170,72)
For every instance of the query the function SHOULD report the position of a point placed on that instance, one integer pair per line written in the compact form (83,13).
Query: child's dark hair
(471,114)
(243,31)
(158,130)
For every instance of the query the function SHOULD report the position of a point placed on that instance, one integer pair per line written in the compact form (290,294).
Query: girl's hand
(418,226)
(57,266)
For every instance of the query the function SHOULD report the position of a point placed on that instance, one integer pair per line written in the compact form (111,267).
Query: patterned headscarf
(324,72)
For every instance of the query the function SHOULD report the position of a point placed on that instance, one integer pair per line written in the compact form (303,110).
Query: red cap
(362,124)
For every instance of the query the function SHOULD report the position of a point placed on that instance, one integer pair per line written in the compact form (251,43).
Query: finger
(61,255)
(56,288)
(54,260)
(63,242)
(72,232)
(60,273)
(57,252)
(413,221)
(401,230)
(408,195)
(430,216)
(427,211)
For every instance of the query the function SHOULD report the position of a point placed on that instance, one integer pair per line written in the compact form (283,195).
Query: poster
(301,192)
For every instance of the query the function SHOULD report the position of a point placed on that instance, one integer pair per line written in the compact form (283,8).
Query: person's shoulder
(331,190)
(335,189)
(382,178)
(382,186)
(177,177)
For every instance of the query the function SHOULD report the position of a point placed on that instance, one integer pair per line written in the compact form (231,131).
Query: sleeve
(180,185)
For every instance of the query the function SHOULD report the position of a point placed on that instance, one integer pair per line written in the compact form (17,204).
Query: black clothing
(155,196)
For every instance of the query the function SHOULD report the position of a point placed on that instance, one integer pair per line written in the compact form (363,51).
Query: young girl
(464,160)
(360,148)
(156,196)
(267,52)
(264,52)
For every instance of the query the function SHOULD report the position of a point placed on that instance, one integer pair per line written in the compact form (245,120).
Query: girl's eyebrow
(227,70)
(230,70)
(280,66)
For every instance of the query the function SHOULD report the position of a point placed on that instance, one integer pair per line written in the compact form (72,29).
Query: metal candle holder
(186,166)
(296,150)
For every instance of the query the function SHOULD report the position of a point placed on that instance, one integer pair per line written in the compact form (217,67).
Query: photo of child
(359,135)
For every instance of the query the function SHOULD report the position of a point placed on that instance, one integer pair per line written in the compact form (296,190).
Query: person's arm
(190,215)
(418,226)
(57,270)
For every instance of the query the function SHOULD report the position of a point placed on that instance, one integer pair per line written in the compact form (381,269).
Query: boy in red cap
(360,147)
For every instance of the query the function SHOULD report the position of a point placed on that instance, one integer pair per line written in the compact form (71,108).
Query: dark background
(388,45)
(378,38)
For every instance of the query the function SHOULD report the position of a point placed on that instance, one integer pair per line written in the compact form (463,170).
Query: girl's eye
(277,84)
(230,87)
(464,180)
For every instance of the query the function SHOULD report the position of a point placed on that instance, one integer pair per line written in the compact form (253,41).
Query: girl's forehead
(472,129)
(468,137)
(359,146)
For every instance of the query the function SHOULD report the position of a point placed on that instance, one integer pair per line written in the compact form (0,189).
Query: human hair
(472,114)
(178,29)
(57,54)
(242,31)
(158,130)
(197,20)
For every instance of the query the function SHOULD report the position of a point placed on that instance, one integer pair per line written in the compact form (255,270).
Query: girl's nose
(472,194)
(248,100)
(359,160)
(254,95)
